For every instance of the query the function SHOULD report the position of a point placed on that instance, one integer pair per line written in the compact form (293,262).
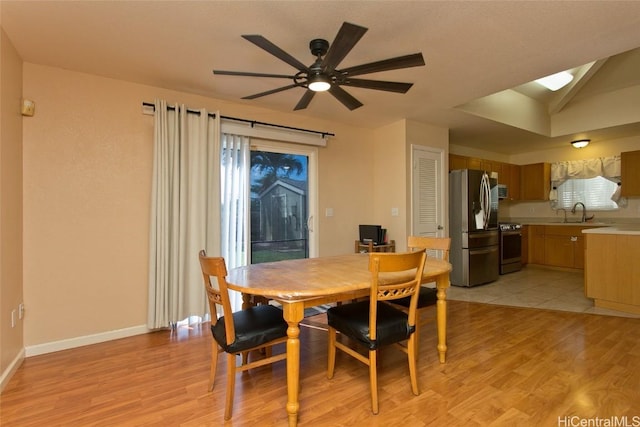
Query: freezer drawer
(479,266)
(480,239)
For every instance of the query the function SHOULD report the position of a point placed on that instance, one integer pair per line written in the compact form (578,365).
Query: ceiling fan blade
(269,92)
(246,74)
(305,100)
(379,85)
(346,39)
(341,95)
(265,44)
(407,61)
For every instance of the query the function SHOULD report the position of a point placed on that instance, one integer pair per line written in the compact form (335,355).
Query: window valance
(607,167)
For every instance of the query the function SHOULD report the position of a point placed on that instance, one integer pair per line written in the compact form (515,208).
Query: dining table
(302,283)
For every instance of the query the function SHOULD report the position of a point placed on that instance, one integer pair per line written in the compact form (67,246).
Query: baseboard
(11,369)
(35,350)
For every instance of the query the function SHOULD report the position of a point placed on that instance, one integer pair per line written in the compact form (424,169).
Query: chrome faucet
(584,212)
(564,211)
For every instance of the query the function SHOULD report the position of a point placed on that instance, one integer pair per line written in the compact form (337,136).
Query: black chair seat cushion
(353,321)
(426,297)
(254,326)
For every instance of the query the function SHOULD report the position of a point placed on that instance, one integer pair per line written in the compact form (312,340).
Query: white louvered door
(428,192)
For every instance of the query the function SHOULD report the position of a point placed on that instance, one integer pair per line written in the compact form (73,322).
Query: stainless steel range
(510,247)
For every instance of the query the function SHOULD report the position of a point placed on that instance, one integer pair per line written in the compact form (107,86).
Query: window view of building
(279,186)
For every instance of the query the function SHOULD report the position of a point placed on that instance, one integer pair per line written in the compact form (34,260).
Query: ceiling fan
(323,75)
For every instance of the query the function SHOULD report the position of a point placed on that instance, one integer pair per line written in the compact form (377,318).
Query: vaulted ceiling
(480,58)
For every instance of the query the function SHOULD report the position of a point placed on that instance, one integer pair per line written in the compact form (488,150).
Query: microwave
(503,191)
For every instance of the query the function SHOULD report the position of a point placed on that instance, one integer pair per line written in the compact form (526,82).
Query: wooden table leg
(441,313)
(293,314)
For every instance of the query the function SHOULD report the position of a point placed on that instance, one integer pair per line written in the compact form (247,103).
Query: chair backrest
(437,247)
(395,276)
(215,267)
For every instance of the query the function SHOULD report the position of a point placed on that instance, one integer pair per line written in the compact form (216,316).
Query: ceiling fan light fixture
(319,83)
(580,143)
(556,81)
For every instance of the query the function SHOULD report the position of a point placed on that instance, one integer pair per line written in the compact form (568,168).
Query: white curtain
(607,167)
(184,212)
(235,167)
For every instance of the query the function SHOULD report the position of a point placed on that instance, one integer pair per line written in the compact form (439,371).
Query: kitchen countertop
(628,229)
(582,224)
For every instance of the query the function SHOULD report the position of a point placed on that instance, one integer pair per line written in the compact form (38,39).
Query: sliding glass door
(283,193)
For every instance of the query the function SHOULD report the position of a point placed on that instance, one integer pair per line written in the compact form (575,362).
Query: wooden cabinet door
(514,182)
(535,181)
(497,168)
(457,162)
(630,164)
(525,245)
(578,253)
(473,163)
(537,246)
(558,251)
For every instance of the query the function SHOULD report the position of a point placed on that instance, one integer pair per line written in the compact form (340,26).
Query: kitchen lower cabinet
(525,245)
(612,271)
(558,251)
(536,244)
(557,245)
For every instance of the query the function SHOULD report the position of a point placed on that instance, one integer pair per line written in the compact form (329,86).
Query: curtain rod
(252,122)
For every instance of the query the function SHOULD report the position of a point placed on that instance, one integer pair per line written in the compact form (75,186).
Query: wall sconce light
(580,143)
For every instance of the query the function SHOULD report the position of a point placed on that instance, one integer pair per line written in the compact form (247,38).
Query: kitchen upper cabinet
(457,162)
(535,181)
(514,182)
(630,163)
(473,163)
(508,174)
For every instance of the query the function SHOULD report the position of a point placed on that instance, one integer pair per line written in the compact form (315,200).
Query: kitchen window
(595,193)
(593,182)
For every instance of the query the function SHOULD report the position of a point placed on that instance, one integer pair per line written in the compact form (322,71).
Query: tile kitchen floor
(535,287)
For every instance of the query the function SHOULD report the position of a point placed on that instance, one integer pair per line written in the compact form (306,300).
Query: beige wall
(389,180)
(87,168)
(11,338)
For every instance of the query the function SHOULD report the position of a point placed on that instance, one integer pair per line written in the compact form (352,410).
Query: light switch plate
(28,107)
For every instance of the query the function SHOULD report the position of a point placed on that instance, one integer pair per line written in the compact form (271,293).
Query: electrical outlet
(21,311)
(13,318)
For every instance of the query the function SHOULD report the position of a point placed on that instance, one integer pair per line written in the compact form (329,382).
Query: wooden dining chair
(373,323)
(238,333)
(437,247)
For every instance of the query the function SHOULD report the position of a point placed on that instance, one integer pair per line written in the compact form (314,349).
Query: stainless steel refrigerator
(473,225)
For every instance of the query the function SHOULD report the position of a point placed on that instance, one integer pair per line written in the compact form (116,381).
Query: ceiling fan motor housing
(319,47)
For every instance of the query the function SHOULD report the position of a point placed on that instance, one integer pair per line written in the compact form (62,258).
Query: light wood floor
(505,366)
